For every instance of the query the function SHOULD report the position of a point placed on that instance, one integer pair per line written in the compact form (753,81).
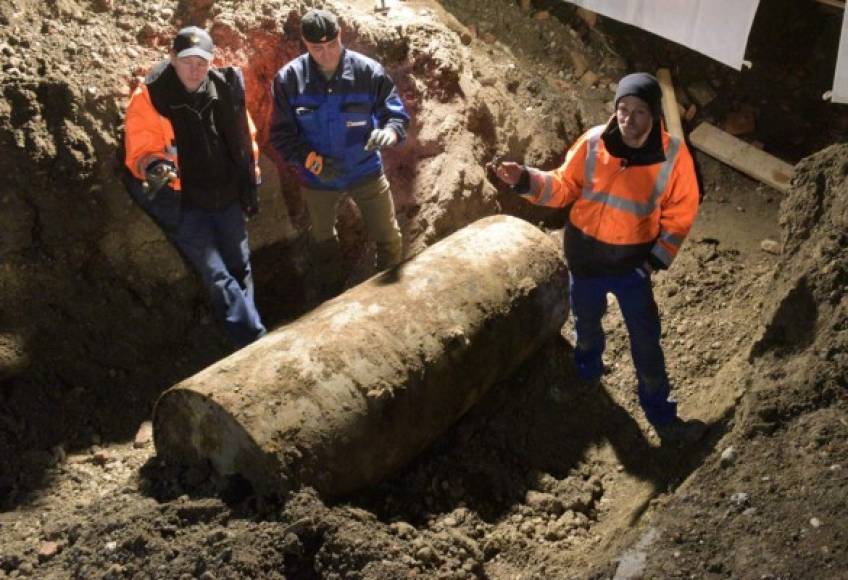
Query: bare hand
(508,171)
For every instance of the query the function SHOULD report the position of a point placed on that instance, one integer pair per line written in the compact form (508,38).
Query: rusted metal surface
(348,393)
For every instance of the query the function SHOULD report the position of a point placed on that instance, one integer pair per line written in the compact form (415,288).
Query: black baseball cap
(319,26)
(193,41)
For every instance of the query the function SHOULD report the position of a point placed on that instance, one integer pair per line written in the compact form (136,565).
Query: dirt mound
(770,504)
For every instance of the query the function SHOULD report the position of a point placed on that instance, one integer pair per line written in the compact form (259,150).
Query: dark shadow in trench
(100,354)
(542,419)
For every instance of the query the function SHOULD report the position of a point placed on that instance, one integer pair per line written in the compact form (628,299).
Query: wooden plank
(834,3)
(669,102)
(742,156)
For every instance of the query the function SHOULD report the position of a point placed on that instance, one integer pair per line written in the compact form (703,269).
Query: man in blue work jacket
(334,110)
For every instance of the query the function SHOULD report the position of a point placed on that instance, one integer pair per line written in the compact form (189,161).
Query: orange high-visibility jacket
(150,136)
(622,216)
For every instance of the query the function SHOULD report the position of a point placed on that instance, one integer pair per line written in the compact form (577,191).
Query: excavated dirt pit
(546,477)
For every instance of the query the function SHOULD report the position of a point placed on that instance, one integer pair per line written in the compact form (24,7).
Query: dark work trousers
(635,297)
(215,244)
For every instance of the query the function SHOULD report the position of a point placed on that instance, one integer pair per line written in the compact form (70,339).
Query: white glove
(381,138)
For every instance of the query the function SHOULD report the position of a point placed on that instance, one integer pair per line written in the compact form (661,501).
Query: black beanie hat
(644,86)
(319,26)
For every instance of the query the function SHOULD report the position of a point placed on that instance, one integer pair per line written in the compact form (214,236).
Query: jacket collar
(208,89)
(653,151)
(345,70)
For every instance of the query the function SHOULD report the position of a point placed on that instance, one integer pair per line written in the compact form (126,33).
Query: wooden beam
(669,101)
(742,156)
(834,3)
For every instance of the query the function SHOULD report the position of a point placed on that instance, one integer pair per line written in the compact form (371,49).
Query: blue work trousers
(635,297)
(215,244)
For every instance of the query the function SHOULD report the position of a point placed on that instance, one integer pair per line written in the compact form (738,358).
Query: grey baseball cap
(193,41)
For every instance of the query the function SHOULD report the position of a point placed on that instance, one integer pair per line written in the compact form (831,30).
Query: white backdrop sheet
(716,28)
(840,80)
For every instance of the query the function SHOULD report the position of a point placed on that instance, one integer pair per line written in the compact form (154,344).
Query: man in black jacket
(190,147)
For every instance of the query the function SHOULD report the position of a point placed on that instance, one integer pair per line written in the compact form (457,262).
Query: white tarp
(840,80)
(716,28)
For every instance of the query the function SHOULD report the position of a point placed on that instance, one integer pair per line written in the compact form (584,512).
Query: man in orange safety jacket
(633,195)
(191,154)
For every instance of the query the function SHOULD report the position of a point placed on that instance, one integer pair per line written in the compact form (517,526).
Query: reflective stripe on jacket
(148,135)
(621,215)
(334,117)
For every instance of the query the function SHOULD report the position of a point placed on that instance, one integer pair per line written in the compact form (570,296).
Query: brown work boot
(387,258)
(681,433)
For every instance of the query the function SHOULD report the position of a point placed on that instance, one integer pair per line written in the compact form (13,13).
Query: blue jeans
(636,299)
(215,244)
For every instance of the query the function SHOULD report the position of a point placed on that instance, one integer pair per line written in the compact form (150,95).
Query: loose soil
(546,477)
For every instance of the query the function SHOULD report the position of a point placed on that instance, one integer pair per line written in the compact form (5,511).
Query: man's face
(634,120)
(326,54)
(191,70)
